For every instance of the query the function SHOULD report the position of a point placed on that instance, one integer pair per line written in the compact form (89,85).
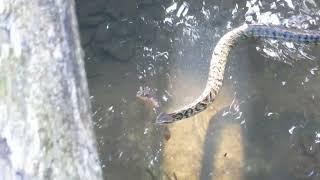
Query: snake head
(164,118)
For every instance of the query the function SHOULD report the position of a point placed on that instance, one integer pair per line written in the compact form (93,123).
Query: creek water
(265,122)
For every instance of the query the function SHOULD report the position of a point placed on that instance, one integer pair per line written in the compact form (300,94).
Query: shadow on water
(268,152)
(269,130)
(216,154)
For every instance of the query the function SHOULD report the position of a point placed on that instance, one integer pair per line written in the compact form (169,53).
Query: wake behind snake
(218,62)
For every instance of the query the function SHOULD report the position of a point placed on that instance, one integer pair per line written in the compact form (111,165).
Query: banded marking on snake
(218,62)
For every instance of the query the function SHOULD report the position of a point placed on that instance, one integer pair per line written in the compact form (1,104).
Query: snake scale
(218,62)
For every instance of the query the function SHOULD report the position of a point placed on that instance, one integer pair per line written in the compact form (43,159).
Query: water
(265,121)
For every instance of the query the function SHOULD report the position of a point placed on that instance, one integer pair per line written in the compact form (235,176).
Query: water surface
(265,121)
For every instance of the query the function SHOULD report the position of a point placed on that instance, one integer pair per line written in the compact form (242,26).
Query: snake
(218,62)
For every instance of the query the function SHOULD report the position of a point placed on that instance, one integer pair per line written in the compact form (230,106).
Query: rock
(45,115)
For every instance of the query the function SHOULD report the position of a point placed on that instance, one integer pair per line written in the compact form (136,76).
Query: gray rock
(45,116)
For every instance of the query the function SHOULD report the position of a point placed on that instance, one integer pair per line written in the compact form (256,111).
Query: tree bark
(45,118)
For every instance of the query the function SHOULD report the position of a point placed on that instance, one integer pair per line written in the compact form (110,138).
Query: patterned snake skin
(218,62)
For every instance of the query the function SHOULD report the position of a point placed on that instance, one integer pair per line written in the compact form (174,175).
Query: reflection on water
(265,121)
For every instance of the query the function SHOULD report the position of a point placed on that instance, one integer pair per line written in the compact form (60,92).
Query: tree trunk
(45,122)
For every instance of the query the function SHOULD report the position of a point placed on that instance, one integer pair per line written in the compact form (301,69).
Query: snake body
(219,59)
